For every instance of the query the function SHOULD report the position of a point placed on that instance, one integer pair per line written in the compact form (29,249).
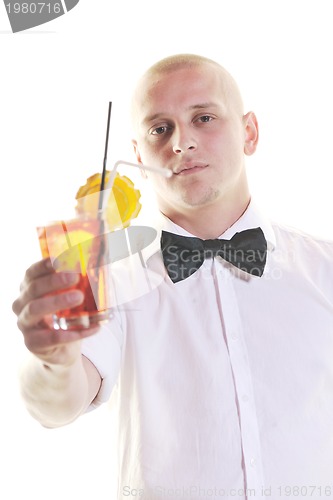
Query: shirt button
(253,462)
(245,398)
(234,336)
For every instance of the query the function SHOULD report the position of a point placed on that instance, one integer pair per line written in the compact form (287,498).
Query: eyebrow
(203,105)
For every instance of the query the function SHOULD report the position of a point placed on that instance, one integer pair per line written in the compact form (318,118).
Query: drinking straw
(101,192)
(162,171)
(101,201)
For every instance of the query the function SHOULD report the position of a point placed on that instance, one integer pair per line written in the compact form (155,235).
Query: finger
(49,284)
(43,285)
(44,342)
(38,269)
(34,311)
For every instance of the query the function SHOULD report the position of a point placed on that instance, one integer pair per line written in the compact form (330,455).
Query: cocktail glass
(80,245)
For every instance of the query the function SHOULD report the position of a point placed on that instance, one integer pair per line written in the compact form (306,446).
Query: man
(223,370)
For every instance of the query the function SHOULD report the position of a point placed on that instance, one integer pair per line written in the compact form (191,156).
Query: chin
(198,199)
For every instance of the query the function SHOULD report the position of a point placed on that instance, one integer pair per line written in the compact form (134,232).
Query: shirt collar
(251,218)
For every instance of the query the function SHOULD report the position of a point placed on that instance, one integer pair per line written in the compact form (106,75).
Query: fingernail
(48,264)
(69,278)
(74,297)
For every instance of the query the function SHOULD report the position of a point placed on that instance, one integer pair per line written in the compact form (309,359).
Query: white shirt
(224,380)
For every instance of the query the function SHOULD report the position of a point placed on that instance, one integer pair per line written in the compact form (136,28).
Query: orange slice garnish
(122,206)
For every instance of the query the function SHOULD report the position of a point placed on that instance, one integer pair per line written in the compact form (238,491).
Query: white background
(56,81)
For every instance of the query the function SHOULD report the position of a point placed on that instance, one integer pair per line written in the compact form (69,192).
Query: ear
(251,133)
(138,157)
(136,151)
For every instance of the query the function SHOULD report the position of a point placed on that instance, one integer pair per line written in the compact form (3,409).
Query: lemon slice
(123,204)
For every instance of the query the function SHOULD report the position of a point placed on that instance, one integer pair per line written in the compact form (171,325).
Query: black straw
(100,203)
(101,195)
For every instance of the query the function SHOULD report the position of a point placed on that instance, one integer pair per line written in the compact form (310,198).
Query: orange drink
(80,246)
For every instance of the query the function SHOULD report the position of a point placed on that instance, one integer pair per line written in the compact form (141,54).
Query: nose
(183,141)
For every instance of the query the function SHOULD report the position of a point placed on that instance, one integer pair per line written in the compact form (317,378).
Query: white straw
(161,171)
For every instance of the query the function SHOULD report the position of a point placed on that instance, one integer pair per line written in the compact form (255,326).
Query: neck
(210,221)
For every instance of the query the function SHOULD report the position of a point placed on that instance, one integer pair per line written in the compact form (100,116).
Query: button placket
(242,376)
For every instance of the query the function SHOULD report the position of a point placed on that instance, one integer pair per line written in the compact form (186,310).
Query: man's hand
(44,292)
(58,383)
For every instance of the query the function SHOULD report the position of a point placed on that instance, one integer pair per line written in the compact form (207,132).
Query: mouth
(190,168)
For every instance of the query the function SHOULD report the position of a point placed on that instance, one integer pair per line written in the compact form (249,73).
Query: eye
(159,130)
(205,118)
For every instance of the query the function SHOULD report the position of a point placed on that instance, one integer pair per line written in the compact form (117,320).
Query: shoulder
(304,247)
(297,234)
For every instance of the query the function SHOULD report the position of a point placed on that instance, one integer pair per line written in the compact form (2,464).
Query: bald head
(179,62)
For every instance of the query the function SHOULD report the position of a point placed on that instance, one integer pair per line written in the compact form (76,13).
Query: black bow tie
(183,255)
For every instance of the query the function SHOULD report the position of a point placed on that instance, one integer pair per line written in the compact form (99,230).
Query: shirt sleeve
(104,350)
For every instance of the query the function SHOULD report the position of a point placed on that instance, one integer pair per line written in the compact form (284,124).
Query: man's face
(190,121)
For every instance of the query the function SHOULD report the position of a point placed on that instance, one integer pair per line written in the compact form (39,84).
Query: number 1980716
(33,8)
